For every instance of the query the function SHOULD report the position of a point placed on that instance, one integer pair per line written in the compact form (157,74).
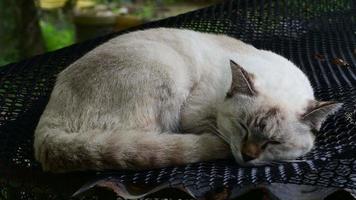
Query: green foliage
(9,44)
(171,1)
(56,38)
(147,11)
(11,55)
(107,1)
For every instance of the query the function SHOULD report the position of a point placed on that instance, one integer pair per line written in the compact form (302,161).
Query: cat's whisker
(234,148)
(296,161)
(272,163)
(261,164)
(279,162)
(276,162)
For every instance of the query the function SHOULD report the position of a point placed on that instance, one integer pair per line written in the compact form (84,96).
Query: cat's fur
(160,97)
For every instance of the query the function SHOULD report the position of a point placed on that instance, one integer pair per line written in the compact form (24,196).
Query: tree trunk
(20,34)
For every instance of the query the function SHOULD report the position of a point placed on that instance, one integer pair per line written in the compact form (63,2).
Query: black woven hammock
(319,36)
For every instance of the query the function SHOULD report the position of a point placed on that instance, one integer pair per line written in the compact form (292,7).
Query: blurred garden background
(31,27)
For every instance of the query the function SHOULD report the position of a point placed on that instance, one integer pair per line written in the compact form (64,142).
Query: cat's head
(259,130)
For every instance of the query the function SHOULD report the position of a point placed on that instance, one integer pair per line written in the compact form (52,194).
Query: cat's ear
(242,81)
(318,111)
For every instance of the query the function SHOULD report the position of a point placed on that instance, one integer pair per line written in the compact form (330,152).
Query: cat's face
(259,131)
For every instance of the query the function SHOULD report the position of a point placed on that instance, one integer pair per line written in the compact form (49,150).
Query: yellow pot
(85,3)
(51,4)
(127,21)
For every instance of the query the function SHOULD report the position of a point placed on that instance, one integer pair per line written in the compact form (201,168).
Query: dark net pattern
(318,35)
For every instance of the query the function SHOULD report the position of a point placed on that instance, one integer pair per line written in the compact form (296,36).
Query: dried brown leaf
(340,62)
(319,56)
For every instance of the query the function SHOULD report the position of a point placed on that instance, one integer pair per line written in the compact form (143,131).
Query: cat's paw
(213,147)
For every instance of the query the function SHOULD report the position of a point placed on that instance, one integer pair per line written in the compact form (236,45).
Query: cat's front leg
(125,149)
(208,147)
(145,150)
(156,150)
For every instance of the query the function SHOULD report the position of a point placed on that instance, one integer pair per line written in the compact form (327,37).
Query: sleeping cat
(163,97)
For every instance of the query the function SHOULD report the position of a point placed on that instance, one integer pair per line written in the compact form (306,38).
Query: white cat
(164,97)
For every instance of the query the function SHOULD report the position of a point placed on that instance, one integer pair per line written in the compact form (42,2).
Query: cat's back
(184,56)
(159,46)
(131,67)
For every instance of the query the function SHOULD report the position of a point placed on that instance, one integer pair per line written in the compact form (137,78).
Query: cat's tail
(59,151)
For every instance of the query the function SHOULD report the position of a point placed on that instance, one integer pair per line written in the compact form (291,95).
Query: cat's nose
(246,157)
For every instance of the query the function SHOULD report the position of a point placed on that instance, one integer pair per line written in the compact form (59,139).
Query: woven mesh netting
(318,35)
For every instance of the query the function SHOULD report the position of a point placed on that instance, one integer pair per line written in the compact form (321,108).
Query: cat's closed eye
(270,142)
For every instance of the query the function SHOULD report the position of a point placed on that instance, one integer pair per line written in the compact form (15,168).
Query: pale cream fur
(147,99)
